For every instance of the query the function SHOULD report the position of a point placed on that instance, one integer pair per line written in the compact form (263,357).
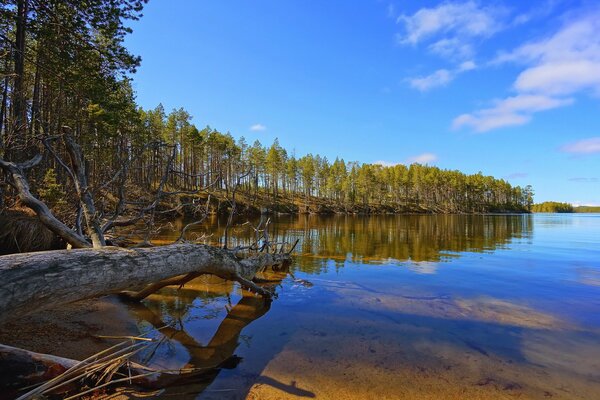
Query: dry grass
(22,233)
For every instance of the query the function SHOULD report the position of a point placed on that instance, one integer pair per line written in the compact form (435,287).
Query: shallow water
(421,307)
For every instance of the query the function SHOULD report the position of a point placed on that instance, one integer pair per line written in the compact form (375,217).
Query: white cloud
(424,158)
(421,159)
(452,26)
(557,67)
(579,203)
(451,29)
(258,128)
(484,123)
(451,48)
(530,103)
(564,63)
(585,146)
(511,111)
(467,66)
(385,163)
(539,10)
(460,19)
(561,78)
(441,77)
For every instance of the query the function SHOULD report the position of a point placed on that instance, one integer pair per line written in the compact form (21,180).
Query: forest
(65,68)
(558,207)
(587,209)
(553,207)
(90,179)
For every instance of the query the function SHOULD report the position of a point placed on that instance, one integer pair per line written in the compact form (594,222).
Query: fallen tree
(58,376)
(35,281)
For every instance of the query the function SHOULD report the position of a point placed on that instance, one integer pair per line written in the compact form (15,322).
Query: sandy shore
(70,330)
(351,357)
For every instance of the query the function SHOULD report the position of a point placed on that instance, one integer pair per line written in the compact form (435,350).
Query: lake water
(396,307)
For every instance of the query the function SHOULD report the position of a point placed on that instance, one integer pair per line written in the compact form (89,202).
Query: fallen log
(20,368)
(35,281)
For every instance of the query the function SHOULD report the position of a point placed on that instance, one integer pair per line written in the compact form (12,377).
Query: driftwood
(21,368)
(35,281)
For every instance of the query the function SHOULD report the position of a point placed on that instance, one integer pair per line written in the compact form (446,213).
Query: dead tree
(16,173)
(35,281)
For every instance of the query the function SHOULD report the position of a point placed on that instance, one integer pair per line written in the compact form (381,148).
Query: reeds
(107,367)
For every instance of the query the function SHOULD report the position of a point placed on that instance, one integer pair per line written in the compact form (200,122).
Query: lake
(395,307)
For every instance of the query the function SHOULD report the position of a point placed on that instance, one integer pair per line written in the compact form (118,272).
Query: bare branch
(15,171)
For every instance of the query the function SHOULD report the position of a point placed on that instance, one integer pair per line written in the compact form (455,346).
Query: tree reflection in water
(324,242)
(380,238)
(168,312)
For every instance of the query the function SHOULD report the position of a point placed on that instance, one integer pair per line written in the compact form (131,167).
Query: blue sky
(509,88)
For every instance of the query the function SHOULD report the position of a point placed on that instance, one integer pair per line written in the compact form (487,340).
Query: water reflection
(169,316)
(395,306)
(381,239)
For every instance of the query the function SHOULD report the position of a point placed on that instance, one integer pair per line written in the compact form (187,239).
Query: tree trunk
(35,281)
(3,107)
(80,181)
(19,111)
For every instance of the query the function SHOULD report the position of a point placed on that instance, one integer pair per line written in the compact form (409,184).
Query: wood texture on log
(34,281)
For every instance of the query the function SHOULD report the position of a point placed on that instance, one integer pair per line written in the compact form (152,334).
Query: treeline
(587,209)
(64,64)
(222,161)
(552,207)
(367,240)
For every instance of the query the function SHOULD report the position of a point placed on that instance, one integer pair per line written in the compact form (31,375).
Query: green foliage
(77,73)
(51,191)
(587,209)
(552,207)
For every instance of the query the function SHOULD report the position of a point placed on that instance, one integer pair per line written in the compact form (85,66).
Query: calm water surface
(397,307)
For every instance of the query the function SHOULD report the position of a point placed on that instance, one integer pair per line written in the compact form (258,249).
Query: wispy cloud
(558,67)
(540,9)
(440,78)
(451,26)
(466,66)
(386,163)
(424,158)
(564,63)
(452,48)
(258,128)
(511,111)
(585,146)
(391,10)
(592,203)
